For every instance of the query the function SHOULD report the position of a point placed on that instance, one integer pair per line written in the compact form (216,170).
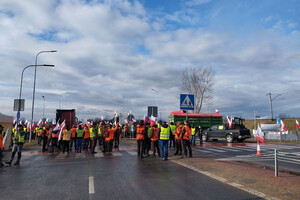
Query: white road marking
(91,185)
(117,154)
(133,153)
(98,155)
(223,180)
(80,155)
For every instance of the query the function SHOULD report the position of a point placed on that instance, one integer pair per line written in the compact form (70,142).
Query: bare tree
(198,81)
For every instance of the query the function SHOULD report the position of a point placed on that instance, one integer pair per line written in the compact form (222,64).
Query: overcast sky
(111,54)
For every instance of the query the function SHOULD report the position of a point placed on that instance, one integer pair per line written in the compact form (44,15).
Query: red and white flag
(229,121)
(297,124)
(146,119)
(40,123)
(282,126)
(217,111)
(53,122)
(25,123)
(260,134)
(62,126)
(56,128)
(152,119)
(47,121)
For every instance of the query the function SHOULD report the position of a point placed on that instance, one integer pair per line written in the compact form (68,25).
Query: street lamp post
(271,99)
(33,93)
(43,106)
(156,100)
(21,84)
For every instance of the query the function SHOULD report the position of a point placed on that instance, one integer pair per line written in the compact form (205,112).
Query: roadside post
(187,103)
(276,162)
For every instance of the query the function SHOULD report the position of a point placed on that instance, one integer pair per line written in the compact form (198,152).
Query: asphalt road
(288,154)
(118,176)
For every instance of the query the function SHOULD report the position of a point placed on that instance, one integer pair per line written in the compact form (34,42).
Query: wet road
(118,176)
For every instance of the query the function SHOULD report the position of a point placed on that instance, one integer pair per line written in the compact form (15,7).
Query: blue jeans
(79,144)
(193,140)
(163,145)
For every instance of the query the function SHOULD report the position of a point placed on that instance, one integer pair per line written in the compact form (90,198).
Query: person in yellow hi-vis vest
(18,140)
(193,136)
(66,139)
(164,133)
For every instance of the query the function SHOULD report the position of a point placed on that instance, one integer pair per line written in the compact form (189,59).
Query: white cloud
(100,67)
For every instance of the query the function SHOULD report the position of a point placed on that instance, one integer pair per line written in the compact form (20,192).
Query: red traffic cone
(258,149)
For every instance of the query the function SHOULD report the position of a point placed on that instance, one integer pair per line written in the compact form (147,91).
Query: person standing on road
(117,134)
(172,136)
(186,137)
(200,132)
(79,138)
(93,139)
(164,133)
(66,139)
(45,135)
(110,138)
(154,139)
(140,138)
(86,137)
(54,140)
(147,140)
(2,133)
(178,139)
(73,137)
(18,140)
(193,135)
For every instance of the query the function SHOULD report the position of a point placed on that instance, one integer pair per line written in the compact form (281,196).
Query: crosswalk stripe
(98,155)
(80,155)
(117,154)
(133,153)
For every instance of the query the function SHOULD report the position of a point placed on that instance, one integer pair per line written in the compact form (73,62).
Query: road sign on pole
(187,102)
(19,104)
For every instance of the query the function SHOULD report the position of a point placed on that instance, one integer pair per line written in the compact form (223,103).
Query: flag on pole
(297,124)
(47,121)
(40,123)
(53,122)
(25,123)
(260,134)
(217,111)
(56,128)
(229,121)
(5,137)
(152,119)
(282,126)
(146,119)
(62,126)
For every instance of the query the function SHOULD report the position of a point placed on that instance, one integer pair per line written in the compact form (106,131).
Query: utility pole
(271,99)
(254,119)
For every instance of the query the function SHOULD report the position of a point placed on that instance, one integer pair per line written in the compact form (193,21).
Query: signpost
(187,103)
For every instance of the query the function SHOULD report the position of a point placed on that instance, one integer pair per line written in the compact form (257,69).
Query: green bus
(205,120)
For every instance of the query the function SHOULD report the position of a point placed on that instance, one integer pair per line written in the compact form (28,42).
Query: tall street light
(43,106)
(21,84)
(271,99)
(33,93)
(156,100)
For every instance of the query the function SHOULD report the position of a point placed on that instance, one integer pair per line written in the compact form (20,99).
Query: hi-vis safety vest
(21,138)
(92,134)
(164,133)
(99,131)
(149,132)
(132,128)
(173,128)
(66,135)
(80,133)
(188,133)
(193,131)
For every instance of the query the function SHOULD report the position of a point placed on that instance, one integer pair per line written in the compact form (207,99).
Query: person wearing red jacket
(140,137)
(154,139)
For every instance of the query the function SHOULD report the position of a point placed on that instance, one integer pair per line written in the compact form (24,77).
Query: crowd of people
(157,137)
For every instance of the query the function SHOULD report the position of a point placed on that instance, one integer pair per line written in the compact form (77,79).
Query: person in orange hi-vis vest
(186,137)
(110,138)
(140,137)
(54,140)
(86,137)
(154,139)
(73,137)
(178,139)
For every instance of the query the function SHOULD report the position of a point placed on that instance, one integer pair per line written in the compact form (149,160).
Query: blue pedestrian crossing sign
(187,102)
